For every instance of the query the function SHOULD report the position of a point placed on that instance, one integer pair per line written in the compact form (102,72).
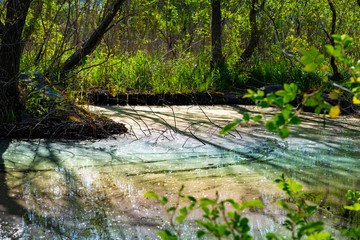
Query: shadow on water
(80,213)
(82,210)
(7,203)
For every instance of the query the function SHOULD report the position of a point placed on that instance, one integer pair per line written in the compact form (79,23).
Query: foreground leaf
(151,194)
(334,111)
(228,128)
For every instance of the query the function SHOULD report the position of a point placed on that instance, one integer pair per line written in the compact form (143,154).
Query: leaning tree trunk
(90,45)
(10,52)
(254,34)
(217,57)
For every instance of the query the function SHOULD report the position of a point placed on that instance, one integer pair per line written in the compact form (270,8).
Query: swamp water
(94,190)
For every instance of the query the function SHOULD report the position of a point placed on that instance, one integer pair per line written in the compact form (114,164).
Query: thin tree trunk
(10,52)
(90,45)
(254,35)
(333,29)
(28,31)
(217,57)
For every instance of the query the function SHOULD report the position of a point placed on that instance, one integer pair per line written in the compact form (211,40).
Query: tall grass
(141,72)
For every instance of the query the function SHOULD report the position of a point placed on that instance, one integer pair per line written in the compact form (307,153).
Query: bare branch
(94,40)
(276,35)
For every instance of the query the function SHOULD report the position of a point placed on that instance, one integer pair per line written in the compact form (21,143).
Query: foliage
(222,224)
(285,99)
(298,213)
(165,46)
(354,196)
(216,220)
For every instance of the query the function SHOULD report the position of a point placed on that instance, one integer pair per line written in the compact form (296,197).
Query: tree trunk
(254,37)
(10,52)
(336,75)
(90,45)
(217,57)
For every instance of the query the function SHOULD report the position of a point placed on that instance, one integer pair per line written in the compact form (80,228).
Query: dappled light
(94,189)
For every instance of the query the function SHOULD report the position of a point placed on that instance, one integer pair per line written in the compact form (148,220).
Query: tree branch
(94,40)
(276,35)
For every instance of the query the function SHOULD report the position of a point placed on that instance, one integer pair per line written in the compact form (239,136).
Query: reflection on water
(93,190)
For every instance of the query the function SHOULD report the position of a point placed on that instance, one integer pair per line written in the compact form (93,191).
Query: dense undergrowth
(141,72)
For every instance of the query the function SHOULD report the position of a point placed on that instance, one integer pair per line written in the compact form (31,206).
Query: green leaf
(179,219)
(293,88)
(286,114)
(284,206)
(279,119)
(355,207)
(257,118)
(271,126)
(311,228)
(200,234)
(231,215)
(246,117)
(237,120)
(167,235)
(271,97)
(234,204)
(329,49)
(271,236)
(253,203)
(151,194)
(306,60)
(338,51)
(284,132)
(320,59)
(295,120)
(353,195)
(294,187)
(281,93)
(191,198)
(260,93)
(264,105)
(171,209)
(207,201)
(164,201)
(183,211)
(310,67)
(228,128)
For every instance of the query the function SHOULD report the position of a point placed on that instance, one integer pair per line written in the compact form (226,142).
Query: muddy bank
(59,124)
(204,98)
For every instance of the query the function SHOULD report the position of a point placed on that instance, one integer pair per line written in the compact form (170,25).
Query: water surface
(93,190)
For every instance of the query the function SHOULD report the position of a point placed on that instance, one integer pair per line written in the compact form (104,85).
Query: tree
(254,34)
(94,40)
(217,56)
(10,52)
(11,49)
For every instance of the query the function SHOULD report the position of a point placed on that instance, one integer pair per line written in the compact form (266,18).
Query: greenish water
(93,190)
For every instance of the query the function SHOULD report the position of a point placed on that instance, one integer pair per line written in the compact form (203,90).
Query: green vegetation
(282,99)
(169,46)
(223,224)
(115,46)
